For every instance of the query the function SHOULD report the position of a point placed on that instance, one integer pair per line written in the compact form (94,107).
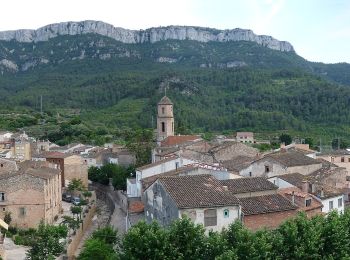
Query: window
(163,110)
(210,218)
(3,209)
(267,168)
(176,165)
(2,196)
(2,165)
(331,205)
(22,212)
(308,202)
(163,127)
(348,159)
(340,202)
(226,213)
(250,174)
(342,159)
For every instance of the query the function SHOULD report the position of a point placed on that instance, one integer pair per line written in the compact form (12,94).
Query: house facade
(245,137)
(201,198)
(281,163)
(152,169)
(31,194)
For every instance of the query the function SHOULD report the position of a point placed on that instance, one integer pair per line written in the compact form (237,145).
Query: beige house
(279,163)
(75,168)
(245,137)
(21,150)
(340,158)
(31,194)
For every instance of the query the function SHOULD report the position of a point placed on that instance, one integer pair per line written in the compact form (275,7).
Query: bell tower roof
(165,101)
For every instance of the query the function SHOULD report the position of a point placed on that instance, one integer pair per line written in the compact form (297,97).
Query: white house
(201,198)
(330,198)
(152,169)
(281,163)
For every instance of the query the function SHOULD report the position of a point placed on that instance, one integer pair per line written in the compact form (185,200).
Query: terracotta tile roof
(326,163)
(266,204)
(197,191)
(165,101)
(179,139)
(288,193)
(53,154)
(146,182)
(156,163)
(243,185)
(291,158)
(248,134)
(295,179)
(136,206)
(319,175)
(238,163)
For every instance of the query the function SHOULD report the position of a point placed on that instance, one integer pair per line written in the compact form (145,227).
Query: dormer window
(307,202)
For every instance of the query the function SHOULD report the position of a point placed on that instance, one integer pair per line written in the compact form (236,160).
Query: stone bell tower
(165,119)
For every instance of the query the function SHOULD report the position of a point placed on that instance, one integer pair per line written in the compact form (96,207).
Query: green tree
(107,234)
(7,217)
(145,241)
(140,142)
(76,185)
(286,139)
(47,244)
(187,239)
(97,249)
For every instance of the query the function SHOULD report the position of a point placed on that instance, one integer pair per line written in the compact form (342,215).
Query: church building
(165,119)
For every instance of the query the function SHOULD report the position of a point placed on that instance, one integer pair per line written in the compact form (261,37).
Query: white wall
(280,183)
(325,203)
(222,222)
(131,189)
(158,169)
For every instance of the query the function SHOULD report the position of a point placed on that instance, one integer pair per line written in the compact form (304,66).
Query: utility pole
(41,105)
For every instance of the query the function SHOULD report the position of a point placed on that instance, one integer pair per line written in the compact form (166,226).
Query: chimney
(313,188)
(293,198)
(305,186)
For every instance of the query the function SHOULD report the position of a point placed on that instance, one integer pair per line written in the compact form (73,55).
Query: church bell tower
(165,119)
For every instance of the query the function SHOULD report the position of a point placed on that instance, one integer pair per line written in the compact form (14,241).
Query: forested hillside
(215,86)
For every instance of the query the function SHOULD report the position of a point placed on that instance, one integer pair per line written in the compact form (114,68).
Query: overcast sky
(319,30)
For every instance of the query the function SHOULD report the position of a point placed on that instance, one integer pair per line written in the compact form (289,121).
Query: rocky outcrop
(140,36)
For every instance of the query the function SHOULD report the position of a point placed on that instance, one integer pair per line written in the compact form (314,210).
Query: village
(214,183)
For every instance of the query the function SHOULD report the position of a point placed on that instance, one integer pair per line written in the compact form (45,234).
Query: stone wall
(267,220)
(76,239)
(75,168)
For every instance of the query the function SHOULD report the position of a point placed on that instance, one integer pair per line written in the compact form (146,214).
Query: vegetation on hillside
(267,91)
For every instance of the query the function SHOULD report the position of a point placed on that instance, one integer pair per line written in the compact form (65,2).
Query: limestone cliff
(140,36)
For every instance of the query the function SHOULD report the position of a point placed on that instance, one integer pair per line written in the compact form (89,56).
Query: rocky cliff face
(149,35)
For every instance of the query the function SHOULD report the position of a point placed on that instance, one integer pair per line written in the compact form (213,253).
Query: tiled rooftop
(266,204)
(243,185)
(197,191)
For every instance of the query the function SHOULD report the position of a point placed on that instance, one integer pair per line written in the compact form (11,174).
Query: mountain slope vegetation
(215,86)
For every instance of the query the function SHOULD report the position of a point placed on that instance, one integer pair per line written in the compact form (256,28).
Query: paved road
(14,252)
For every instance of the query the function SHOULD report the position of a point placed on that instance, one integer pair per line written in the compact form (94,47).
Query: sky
(319,30)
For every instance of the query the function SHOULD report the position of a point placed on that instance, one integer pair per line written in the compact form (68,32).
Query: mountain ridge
(151,35)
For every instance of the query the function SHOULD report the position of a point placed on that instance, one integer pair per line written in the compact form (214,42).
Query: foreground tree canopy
(298,238)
